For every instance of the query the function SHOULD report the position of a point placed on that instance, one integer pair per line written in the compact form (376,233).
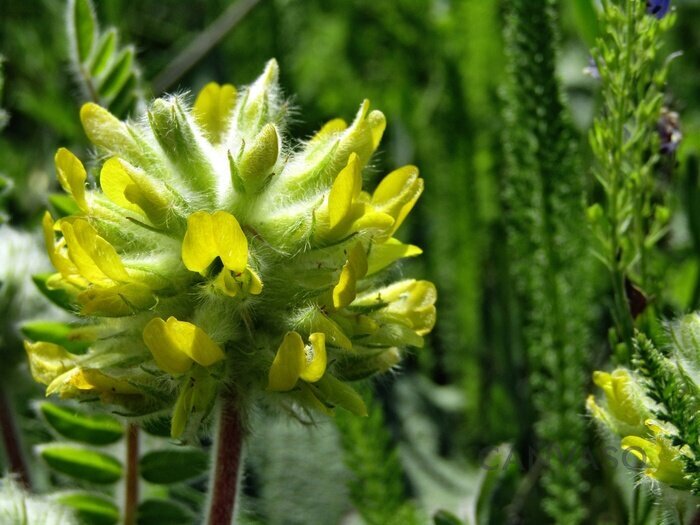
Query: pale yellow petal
(288,364)
(114,181)
(346,187)
(231,242)
(193,342)
(212,109)
(72,176)
(165,352)
(316,358)
(199,247)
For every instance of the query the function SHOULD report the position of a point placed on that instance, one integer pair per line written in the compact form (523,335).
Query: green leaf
(118,74)
(64,205)
(442,517)
(163,513)
(82,463)
(126,98)
(58,297)
(106,48)
(157,426)
(586,20)
(94,429)
(173,466)
(55,332)
(83,27)
(91,509)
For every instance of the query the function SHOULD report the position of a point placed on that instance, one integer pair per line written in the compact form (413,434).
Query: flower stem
(224,484)
(131,491)
(11,440)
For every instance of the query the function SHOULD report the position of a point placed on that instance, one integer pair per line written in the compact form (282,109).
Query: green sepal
(341,394)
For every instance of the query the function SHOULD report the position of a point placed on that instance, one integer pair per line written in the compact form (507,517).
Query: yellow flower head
(209,251)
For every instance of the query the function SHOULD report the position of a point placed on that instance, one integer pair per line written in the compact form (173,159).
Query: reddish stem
(11,441)
(131,490)
(224,485)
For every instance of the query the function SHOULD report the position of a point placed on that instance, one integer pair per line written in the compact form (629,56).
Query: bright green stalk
(628,222)
(544,204)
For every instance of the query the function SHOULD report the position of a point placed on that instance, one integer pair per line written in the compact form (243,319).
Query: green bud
(186,149)
(261,104)
(258,160)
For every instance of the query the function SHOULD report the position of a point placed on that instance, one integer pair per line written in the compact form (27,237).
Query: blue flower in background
(658,8)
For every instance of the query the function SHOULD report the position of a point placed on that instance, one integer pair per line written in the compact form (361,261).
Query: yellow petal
(642,449)
(114,180)
(96,381)
(415,192)
(394,185)
(255,284)
(329,131)
(315,358)
(354,269)
(231,242)
(168,356)
(48,361)
(116,301)
(288,364)
(59,261)
(199,247)
(382,255)
(377,125)
(79,255)
(397,193)
(344,292)
(214,235)
(194,342)
(381,225)
(357,258)
(226,282)
(72,176)
(103,254)
(94,257)
(346,187)
(176,344)
(364,134)
(212,109)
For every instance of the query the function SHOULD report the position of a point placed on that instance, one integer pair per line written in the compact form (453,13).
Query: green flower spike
(209,251)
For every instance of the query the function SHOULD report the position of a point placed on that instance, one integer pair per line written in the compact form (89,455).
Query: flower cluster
(627,413)
(212,253)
